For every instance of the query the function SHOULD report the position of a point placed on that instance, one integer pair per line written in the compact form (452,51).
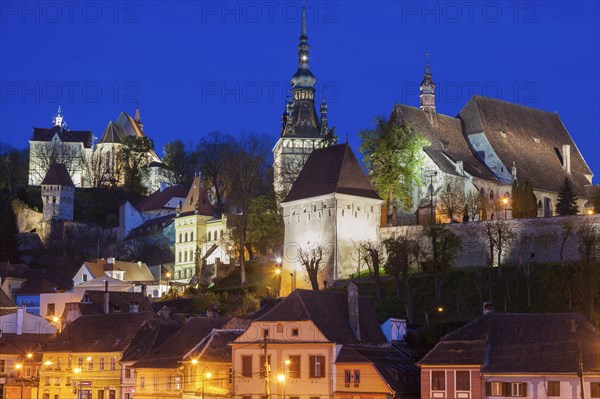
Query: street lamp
(168,276)
(278,273)
(505,201)
(77,370)
(206,376)
(281,378)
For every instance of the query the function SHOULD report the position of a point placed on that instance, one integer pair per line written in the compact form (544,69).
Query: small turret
(137,119)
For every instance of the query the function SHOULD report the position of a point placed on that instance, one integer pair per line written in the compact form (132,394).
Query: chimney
(110,261)
(488,307)
(139,263)
(106,306)
(567,158)
(134,307)
(353,316)
(20,317)
(513,171)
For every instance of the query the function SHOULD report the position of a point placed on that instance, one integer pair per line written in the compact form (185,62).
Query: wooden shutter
(525,389)
(247,366)
(506,389)
(488,389)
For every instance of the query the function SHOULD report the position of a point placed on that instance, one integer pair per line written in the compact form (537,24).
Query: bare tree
(567,228)
(473,205)
(525,264)
(43,155)
(311,260)
(214,152)
(589,243)
(247,170)
(373,254)
(498,237)
(452,197)
(288,172)
(444,244)
(98,169)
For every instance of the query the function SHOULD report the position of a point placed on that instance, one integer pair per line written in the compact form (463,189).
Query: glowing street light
(194,361)
(505,201)
(207,376)
(29,355)
(18,366)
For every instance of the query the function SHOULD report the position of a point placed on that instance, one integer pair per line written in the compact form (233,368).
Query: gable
(282,331)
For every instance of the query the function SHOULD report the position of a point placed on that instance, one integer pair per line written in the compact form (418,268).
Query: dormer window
(535,139)
(502,133)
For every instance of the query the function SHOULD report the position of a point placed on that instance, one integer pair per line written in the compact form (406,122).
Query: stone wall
(541,237)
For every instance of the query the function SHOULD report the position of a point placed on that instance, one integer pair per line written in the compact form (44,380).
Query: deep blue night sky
(196,67)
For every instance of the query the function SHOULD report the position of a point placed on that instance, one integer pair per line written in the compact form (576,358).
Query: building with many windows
(515,355)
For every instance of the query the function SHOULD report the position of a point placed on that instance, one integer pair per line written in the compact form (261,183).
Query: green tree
(133,161)
(393,157)
(265,223)
(566,204)
(444,248)
(180,162)
(400,256)
(524,203)
(9,239)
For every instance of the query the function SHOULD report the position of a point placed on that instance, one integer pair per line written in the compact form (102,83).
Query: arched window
(186,237)
(180,236)
(185,256)
(209,236)
(192,236)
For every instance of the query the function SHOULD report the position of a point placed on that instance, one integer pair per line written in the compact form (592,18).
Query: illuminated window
(294,367)
(142,382)
(113,363)
(101,364)
(519,389)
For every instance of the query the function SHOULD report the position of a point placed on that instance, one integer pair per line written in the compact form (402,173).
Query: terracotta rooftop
(329,311)
(133,270)
(159,199)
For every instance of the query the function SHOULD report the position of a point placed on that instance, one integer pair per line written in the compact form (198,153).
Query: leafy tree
(9,239)
(133,163)
(180,161)
(214,153)
(566,204)
(452,198)
(400,255)
(311,259)
(373,255)
(444,248)
(393,157)
(265,223)
(589,245)
(13,168)
(524,203)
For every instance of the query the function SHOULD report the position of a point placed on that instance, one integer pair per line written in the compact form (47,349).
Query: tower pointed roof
(303,76)
(333,169)
(196,200)
(112,134)
(427,84)
(58,175)
(137,119)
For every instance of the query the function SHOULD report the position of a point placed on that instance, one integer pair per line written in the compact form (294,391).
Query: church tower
(302,130)
(427,89)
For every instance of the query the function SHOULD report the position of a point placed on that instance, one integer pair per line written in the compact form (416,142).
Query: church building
(302,130)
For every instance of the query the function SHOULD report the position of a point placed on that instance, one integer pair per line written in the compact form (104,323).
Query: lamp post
(168,276)
(431,174)
(77,370)
(205,376)
(278,272)
(281,378)
(505,201)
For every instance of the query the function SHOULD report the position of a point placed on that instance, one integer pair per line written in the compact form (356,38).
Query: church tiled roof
(530,137)
(330,170)
(447,142)
(58,175)
(329,312)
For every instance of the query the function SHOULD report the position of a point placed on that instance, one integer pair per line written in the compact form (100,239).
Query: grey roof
(113,332)
(113,134)
(215,347)
(333,169)
(5,301)
(447,142)
(521,343)
(66,136)
(58,174)
(92,302)
(511,129)
(329,311)
(172,351)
